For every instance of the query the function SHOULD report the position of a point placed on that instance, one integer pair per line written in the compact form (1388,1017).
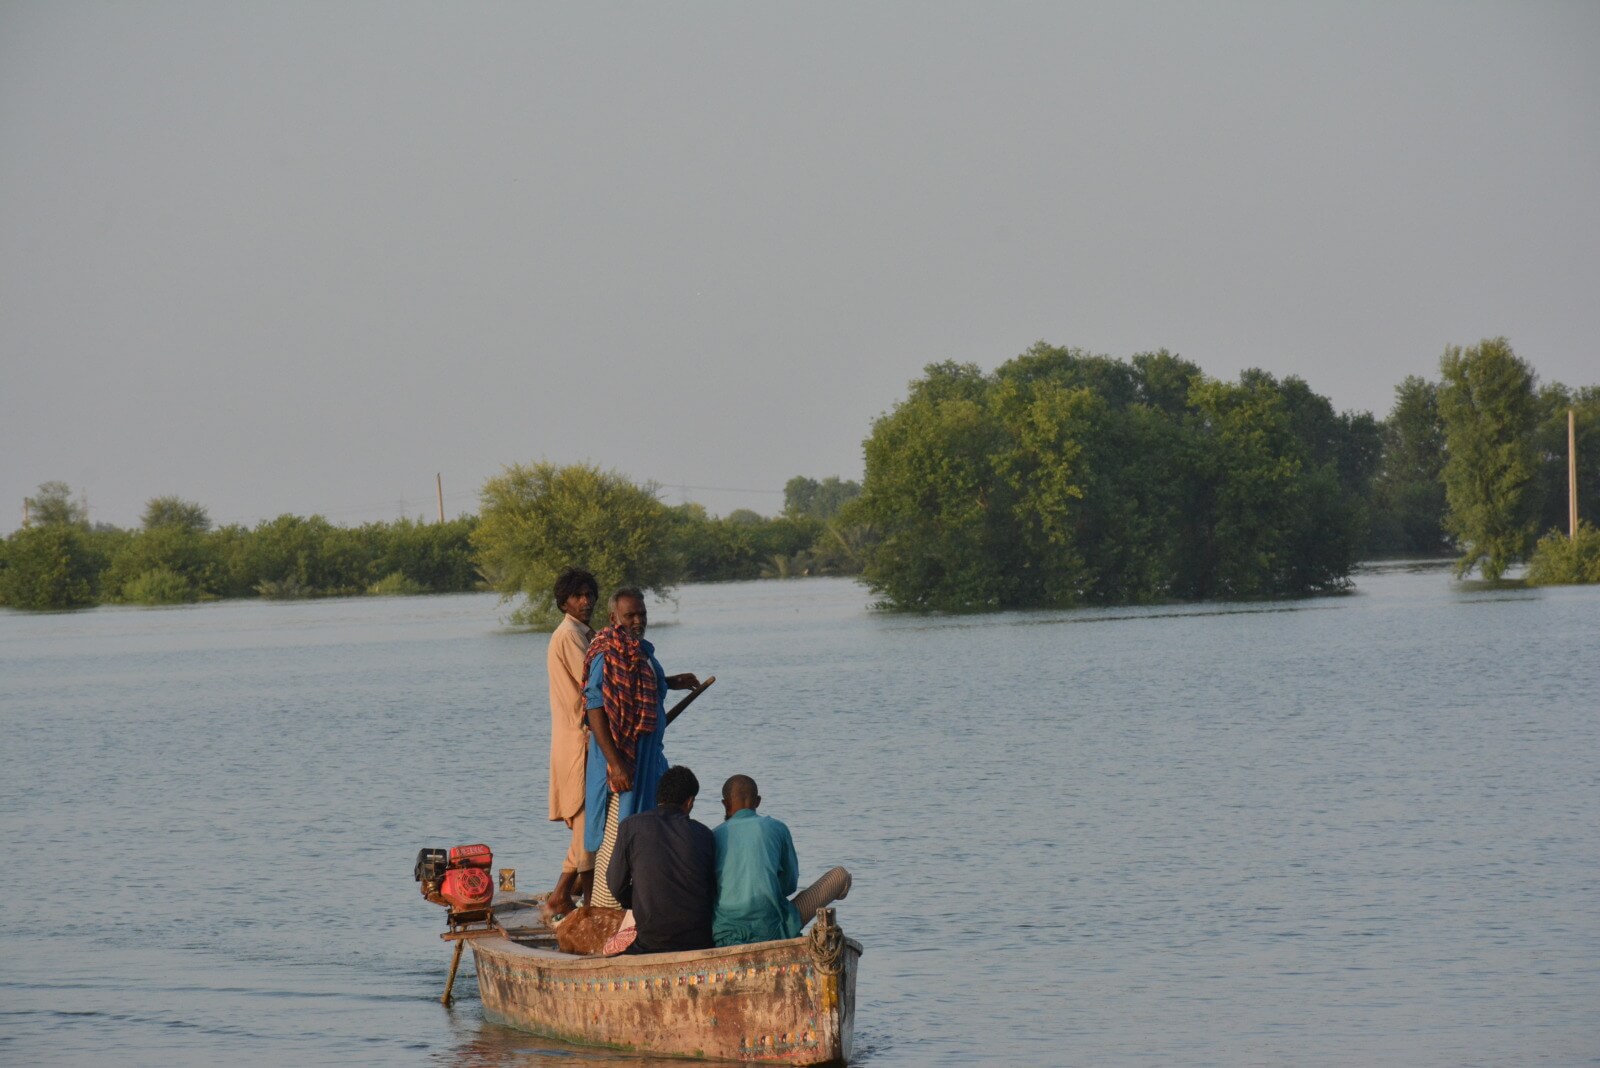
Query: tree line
(1505,467)
(1065,478)
(175,555)
(539,518)
(1060,478)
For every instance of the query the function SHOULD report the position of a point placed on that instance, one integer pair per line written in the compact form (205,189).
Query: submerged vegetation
(1060,478)
(1562,561)
(539,518)
(177,556)
(534,520)
(1065,478)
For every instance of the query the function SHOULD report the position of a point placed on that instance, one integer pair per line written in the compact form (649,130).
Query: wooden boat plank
(771,1001)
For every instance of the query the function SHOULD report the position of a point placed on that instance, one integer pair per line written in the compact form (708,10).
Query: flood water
(1344,831)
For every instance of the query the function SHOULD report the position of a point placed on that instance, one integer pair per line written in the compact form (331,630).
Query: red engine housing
(467,889)
(459,880)
(466,885)
(471,856)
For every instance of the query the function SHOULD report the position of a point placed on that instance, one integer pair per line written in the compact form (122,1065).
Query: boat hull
(788,1002)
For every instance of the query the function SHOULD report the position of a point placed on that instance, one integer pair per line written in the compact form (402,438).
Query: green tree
(437,557)
(178,554)
(845,543)
(49,566)
(1042,467)
(1107,437)
(934,495)
(1550,447)
(1251,465)
(1559,560)
(1163,382)
(1487,404)
(784,544)
(711,549)
(1066,477)
(175,512)
(1338,456)
(103,542)
(806,498)
(346,559)
(537,519)
(232,548)
(1409,496)
(158,586)
(54,506)
(168,561)
(285,556)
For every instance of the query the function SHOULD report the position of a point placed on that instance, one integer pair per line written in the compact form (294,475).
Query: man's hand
(686,681)
(619,777)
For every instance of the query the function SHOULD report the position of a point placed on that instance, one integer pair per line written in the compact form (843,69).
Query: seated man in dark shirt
(664,868)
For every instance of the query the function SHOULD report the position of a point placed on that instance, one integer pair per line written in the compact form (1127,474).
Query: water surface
(1350,830)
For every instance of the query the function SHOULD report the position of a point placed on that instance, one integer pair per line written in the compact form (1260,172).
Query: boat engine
(459,880)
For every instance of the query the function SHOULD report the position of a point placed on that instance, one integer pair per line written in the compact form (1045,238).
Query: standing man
(575,595)
(664,868)
(626,702)
(757,870)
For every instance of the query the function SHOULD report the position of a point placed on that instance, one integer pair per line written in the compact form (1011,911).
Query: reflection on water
(1349,830)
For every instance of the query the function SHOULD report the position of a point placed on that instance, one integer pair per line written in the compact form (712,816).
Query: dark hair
(741,788)
(573,581)
(624,591)
(677,786)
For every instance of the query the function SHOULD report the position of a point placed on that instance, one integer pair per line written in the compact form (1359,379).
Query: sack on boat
(619,942)
(587,929)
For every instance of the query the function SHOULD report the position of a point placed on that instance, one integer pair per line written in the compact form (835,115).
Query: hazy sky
(298,257)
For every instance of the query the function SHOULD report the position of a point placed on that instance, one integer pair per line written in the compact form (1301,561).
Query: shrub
(285,589)
(396,584)
(159,585)
(171,550)
(48,567)
(1562,561)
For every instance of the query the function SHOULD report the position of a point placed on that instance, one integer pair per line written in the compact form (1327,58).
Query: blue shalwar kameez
(649,763)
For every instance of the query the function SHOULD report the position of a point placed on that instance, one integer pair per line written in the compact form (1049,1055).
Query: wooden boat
(786,1002)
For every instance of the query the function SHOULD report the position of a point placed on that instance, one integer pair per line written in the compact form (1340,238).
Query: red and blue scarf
(627,685)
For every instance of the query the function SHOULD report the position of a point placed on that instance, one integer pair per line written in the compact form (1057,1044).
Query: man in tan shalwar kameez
(575,594)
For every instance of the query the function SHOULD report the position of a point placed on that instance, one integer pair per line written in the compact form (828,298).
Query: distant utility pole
(438,481)
(1572,475)
(24,511)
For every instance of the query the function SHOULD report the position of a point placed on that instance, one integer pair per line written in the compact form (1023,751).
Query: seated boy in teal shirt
(757,870)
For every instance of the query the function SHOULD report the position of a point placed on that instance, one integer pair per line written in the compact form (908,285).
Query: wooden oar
(688,698)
